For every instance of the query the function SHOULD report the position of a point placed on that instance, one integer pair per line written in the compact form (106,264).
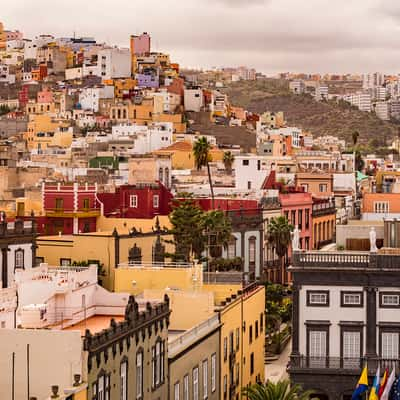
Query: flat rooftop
(95,324)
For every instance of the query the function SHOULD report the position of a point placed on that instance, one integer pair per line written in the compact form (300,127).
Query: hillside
(321,118)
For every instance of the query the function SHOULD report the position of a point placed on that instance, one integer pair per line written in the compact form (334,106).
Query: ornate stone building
(129,359)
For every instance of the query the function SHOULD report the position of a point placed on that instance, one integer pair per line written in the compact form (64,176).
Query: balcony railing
(343,363)
(345,259)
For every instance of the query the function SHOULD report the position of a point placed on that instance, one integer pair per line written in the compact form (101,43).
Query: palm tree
(279,234)
(276,391)
(228,161)
(355,136)
(202,158)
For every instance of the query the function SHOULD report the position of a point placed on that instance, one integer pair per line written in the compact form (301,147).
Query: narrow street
(276,369)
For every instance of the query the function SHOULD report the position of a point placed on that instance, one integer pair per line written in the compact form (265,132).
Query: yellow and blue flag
(373,394)
(362,385)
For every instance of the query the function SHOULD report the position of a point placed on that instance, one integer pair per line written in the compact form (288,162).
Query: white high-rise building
(371,80)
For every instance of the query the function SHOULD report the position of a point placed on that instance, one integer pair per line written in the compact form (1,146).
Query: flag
(395,392)
(389,384)
(362,385)
(383,383)
(373,394)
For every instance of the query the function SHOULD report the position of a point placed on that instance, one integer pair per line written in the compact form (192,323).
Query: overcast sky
(269,35)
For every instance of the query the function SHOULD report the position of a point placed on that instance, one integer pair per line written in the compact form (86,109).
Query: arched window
(160,175)
(157,363)
(166,177)
(139,374)
(232,248)
(19,259)
(124,379)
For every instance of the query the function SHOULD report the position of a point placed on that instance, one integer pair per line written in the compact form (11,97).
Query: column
(295,355)
(371,322)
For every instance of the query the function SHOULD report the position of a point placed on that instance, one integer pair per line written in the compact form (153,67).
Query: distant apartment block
(297,87)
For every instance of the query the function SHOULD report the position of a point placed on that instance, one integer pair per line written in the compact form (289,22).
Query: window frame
(351,327)
(388,293)
(186,388)
(19,252)
(133,201)
(156,201)
(389,328)
(195,382)
(124,393)
(213,372)
(311,292)
(139,373)
(344,293)
(204,367)
(177,390)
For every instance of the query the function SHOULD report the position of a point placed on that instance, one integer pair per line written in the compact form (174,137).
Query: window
(19,259)
(252,250)
(245,162)
(59,204)
(293,217)
(196,383)
(133,201)
(323,187)
(158,359)
(156,200)
(232,248)
(213,372)
(351,347)
(261,322)
(225,386)
(307,217)
(351,299)
(100,393)
(237,338)
(153,366)
(251,363)
(317,346)
(305,186)
(186,387)
(139,375)
(390,345)
(300,219)
(225,348)
(256,328)
(86,204)
(248,184)
(124,380)
(205,379)
(389,299)
(258,165)
(251,334)
(381,207)
(317,298)
(176,391)
(65,262)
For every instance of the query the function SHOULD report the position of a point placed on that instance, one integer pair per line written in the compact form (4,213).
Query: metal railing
(155,264)
(343,363)
(331,259)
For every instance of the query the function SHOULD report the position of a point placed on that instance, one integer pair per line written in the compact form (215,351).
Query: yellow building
(181,154)
(240,310)
(106,248)
(123,86)
(34,107)
(44,131)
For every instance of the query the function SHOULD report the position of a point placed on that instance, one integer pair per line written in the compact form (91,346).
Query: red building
(69,208)
(226,204)
(137,201)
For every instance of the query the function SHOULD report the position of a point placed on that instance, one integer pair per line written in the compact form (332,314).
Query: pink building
(45,96)
(140,44)
(13,35)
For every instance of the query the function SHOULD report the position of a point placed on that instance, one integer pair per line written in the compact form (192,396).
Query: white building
(193,99)
(380,93)
(363,101)
(250,171)
(382,110)
(5,75)
(371,80)
(321,92)
(297,87)
(89,97)
(145,139)
(114,63)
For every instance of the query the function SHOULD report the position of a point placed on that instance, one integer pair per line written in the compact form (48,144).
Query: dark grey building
(345,313)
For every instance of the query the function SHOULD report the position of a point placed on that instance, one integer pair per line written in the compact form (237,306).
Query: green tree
(187,220)
(281,390)
(202,158)
(217,230)
(355,136)
(279,234)
(228,161)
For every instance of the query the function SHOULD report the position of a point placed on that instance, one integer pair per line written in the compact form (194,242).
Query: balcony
(345,365)
(71,213)
(344,259)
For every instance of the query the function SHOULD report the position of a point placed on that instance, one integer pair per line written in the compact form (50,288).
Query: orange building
(319,184)
(323,222)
